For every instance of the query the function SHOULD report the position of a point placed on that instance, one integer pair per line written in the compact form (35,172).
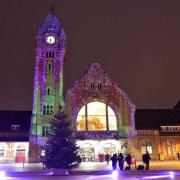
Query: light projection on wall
(96,116)
(48,80)
(117,116)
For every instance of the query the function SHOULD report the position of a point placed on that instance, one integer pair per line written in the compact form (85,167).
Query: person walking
(121,161)
(107,158)
(146,159)
(129,161)
(114,161)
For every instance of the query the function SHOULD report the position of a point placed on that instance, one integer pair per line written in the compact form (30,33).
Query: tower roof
(177,106)
(50,24)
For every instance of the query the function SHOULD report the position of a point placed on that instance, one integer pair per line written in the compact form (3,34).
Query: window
(169,147)
(50,66)
(47,128)
(81,119)
(2,151)
(99,117)
(51,110)
(96,116)
(15,127)
(48,91)
(92,86)
(20,152)
(44,110)
(146,145)
(149,149)
(49,54)
(48,110)
(145,148)
(99,86)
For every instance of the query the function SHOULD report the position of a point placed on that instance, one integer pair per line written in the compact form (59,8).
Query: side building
(14,136)
(158,132)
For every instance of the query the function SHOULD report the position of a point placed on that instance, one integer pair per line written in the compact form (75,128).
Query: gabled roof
(152,119)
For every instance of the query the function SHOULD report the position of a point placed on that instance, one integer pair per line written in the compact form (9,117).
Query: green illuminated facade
(48,81)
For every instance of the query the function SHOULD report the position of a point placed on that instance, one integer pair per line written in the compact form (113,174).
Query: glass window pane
(81,119)
(81,122)
(82,111)
(96,116)
(112,119)
(96,122)
(96,108)
(143,149)
(110,111)
(149,149)
(112,123)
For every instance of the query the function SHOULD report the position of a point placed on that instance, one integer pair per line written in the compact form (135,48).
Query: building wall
(11,152)
(163,147)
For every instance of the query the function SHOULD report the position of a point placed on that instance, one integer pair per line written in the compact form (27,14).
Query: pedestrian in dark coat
(121,161)
(107,157)
(128,160)
(114,161)
(146,159)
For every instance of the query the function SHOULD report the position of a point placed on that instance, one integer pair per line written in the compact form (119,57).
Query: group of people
(119,159)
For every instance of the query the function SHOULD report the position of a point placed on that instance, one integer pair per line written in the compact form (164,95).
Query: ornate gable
(96,86)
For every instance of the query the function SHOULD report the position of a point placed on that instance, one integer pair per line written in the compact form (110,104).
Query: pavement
(163,168)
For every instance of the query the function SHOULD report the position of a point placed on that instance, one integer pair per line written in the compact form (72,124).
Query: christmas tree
(61,150)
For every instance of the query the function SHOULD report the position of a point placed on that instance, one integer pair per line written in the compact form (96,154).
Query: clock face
(50,39)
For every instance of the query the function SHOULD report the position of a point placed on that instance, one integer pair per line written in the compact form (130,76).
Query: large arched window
(96,116)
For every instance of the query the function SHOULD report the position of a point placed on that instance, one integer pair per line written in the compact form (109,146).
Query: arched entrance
(20,153)
(109,148)
(86,152)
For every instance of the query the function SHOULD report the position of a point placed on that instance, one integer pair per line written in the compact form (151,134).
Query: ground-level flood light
(115,173)
(171,174)
(2,175)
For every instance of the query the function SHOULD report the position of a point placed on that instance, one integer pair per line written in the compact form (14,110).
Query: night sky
(136,42)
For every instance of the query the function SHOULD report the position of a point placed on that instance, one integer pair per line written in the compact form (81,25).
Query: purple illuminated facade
(48,80)
(96,86)
(102,115)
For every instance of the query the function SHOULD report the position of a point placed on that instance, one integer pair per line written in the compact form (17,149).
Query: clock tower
(48,81)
